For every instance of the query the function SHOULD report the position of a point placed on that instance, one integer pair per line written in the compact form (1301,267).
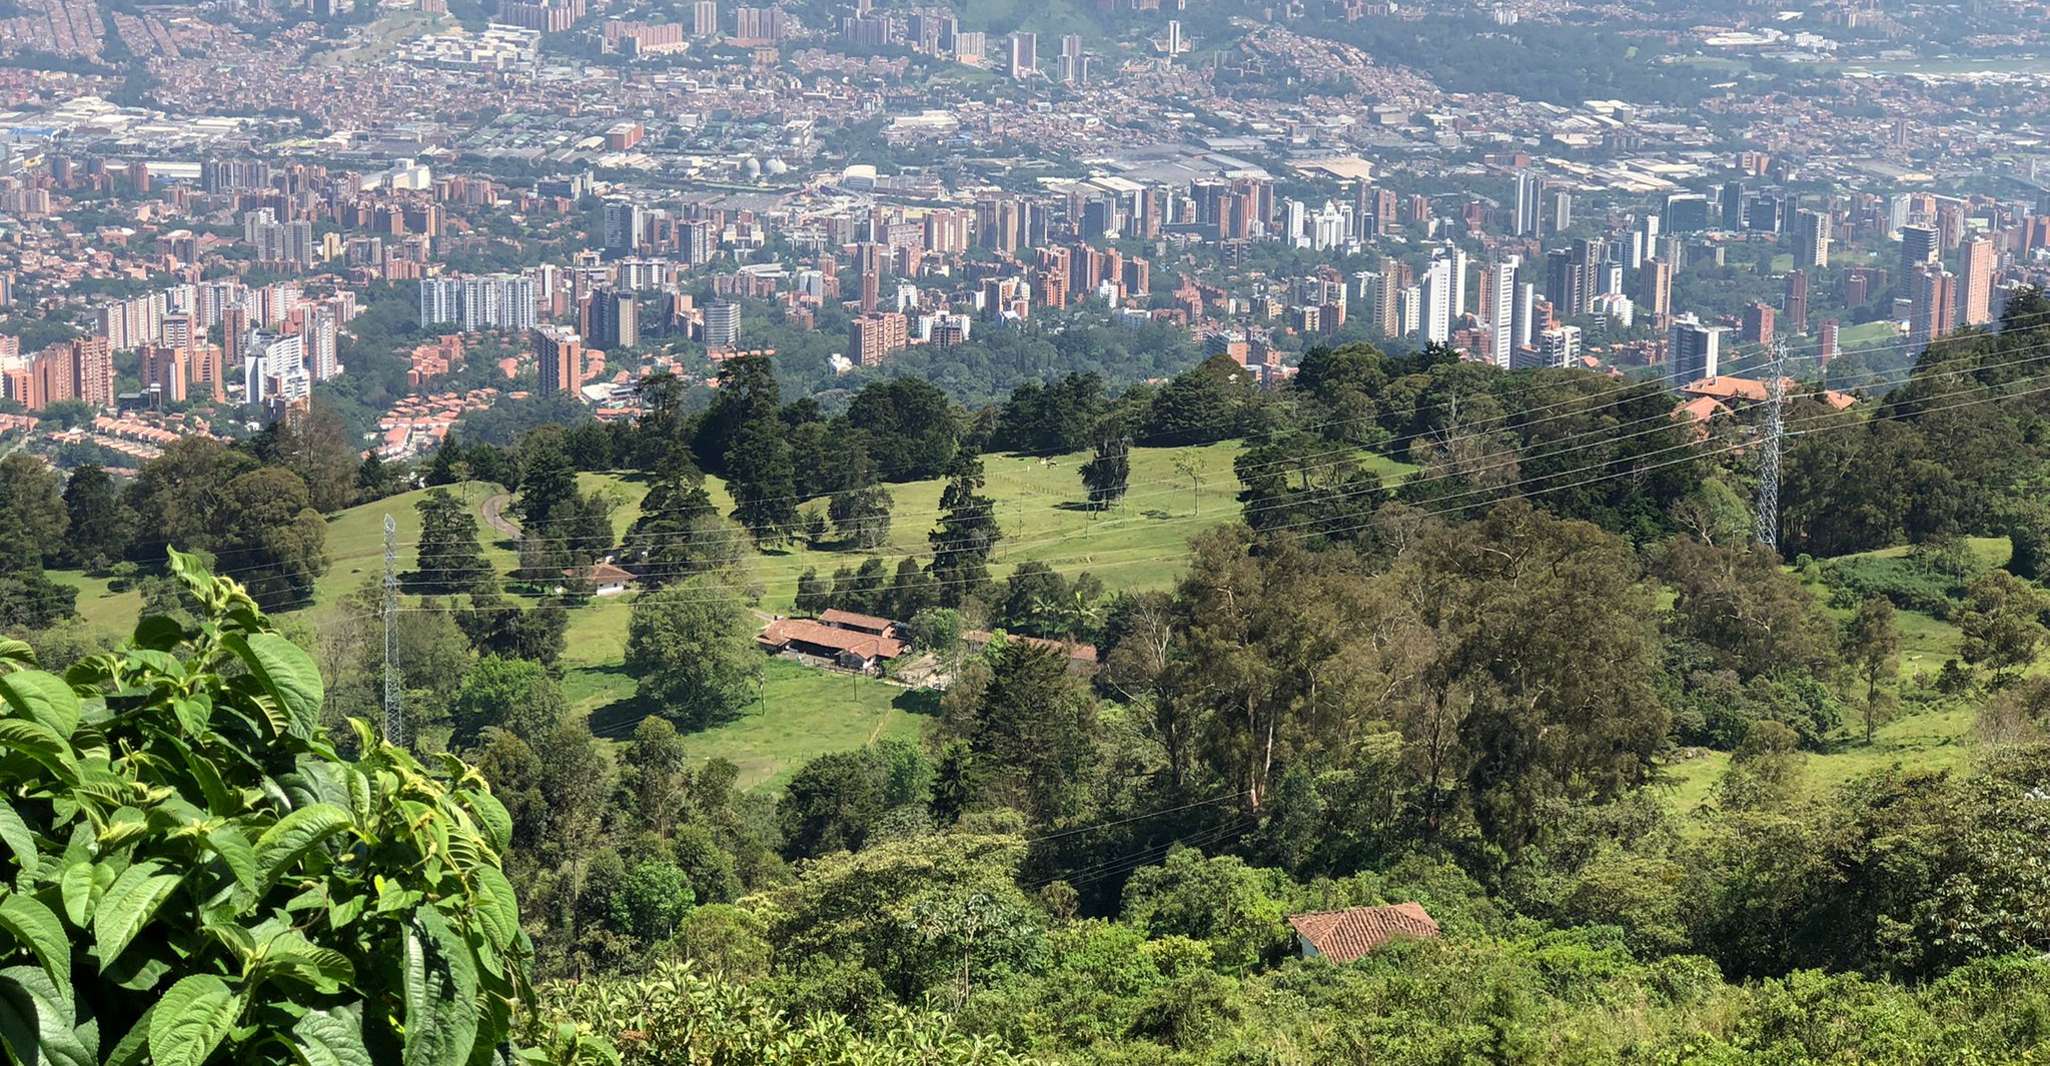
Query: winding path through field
(493,508)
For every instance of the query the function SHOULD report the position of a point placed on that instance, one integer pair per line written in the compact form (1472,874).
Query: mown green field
(801,713)
(104,610)
(1141,544)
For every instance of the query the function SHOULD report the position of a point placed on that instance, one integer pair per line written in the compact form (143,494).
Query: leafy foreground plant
(198,876)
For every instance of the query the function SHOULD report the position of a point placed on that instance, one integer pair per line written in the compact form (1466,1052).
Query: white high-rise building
(1329,227)
(1526,308)
(1558,346)
(1438,288)
(323,331)
(481,302)
(1693,351)
(722,324)
(1411,309)
(1500,304)
(275,369)
(1530,191)
(1459,266)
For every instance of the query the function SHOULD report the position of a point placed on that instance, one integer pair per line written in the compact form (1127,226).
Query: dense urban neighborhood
(1153,532)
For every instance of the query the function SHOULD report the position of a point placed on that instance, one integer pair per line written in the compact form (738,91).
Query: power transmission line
(1769,450)
(394,693)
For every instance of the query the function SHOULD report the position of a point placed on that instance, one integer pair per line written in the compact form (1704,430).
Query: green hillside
(1142,544)
(1935,738)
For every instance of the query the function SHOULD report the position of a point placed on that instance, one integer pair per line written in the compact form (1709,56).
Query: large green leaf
(229,843)
(286,672)
(290,955)
(36,1020)
(41,743)
(497,909)
(15,834)
(82,884)
(17,653)
(282,844)
(332,1037)
(491,815)
(42,697)
(158,632)
(194,713)
(440,994)
(190,1021)
(128,905)
(38,930)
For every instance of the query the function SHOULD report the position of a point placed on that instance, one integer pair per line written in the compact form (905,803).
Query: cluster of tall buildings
(479,302)
(279,244)
(632,229)
(81,369)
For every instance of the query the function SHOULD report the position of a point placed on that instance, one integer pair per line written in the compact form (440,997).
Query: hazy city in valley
(1129,532)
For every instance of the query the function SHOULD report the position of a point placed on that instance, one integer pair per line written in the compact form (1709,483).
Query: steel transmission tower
(1769,448)
(394,693)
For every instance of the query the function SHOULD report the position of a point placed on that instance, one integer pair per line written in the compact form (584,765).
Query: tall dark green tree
(547,481)
(691,648)
(101,525)
(677,524)
(966,536)
(916,429)
(29,600)
(1032,733)
(448,465)
(747,396)
(451,560)
(862,515)
(762,479)
(1108,472)
(32,493)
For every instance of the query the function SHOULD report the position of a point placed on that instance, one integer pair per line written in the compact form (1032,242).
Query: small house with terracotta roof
(605,579)
(851,649)
(1345,935)
(857,622)
(1081,657)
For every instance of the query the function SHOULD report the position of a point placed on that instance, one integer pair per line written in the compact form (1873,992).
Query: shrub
(199,876)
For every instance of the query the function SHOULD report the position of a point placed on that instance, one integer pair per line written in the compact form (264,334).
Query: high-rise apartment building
(1932,295)
(1758,324)
(722,324)
(1975,299)
(872,337)
(1530,189)
(1693,351)
(1918,247)
(1438,285)
(1796,303)
(625,223)
(481,302)
(1655,290)
(1072,69)
(1498,300)
(1024,55)
(560,355)
(1811,240)
(612,319)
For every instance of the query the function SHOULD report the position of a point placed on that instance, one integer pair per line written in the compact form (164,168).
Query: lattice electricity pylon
(394,692)
(1770,439)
